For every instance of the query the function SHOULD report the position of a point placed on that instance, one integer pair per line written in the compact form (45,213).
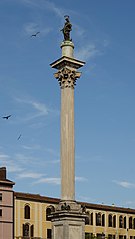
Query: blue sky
(104,36)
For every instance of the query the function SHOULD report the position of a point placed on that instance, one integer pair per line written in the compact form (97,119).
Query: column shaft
(67,144)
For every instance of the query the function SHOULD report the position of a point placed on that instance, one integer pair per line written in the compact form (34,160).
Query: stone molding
(68,207)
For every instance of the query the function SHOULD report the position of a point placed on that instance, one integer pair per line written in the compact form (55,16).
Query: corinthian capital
(67,77)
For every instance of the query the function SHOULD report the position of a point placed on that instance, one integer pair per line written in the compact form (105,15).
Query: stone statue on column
(67,29)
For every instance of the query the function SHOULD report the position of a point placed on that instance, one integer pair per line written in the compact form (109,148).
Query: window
(87,219)
(134,223)
(32,230)
(100,235)
(91,218)
(120,237)
(27,212)
(0,212)
(110,236)
(130,222)
(49,233)
(125,222)
(26,230)
(0,196)
(88,235)
(114,221)
(110,220)
(48,212)
(98,219)
(120,222)
(103,220)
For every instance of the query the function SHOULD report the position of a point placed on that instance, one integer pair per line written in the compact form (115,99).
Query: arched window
(91,218)
(98,219)
(110,220)
(120,222)
(87,220)
(130,222)
(27,212)
(114,221)
(32,231)
(125,223)
(26,230)
(134,223)
(103,220)
(48,212)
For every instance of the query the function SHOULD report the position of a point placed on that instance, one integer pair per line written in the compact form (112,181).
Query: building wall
(38,219)
(117,232)
(6,212)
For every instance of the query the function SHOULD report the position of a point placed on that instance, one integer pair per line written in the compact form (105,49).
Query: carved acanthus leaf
(67,77)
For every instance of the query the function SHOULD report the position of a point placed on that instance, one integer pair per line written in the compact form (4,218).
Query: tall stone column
(68,218)
(67,75)
(67,127)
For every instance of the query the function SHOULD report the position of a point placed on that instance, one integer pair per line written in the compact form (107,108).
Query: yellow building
(32,221)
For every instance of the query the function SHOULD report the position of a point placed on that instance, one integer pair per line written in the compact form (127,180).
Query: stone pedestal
(68,227)
(68,221)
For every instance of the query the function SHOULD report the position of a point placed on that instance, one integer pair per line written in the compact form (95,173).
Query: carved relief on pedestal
(69,206)
(67,77)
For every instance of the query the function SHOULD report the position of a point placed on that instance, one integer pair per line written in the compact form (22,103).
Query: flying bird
(6,117)
(34,35)
(19,137)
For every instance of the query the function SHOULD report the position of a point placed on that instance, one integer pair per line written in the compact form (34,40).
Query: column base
(68,221)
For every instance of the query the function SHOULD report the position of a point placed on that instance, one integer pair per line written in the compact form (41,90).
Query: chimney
(3,173)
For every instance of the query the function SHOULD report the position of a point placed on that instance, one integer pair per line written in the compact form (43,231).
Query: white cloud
(6,161)
(52,7)
(45,4)
(32,147)
(14,168)
(40,109)
(85,199)
(124,184)
(54,181)
(86,52)
(30,28)
(4,157)
(30,175)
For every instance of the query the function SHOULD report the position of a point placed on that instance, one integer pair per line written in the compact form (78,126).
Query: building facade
(31,219)
(6,206)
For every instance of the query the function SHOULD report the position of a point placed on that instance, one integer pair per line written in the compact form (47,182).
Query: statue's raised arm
(67,29)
